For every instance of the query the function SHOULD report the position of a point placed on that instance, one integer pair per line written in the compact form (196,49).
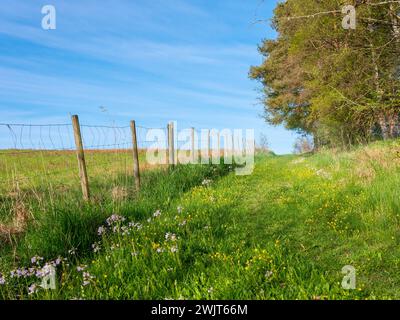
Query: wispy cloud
(152,60)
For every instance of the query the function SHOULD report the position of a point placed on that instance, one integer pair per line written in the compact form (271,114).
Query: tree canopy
(339,85)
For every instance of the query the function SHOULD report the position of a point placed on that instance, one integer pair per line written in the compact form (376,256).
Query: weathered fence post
(81,158)
(193,147)
(135,152)
(171,149)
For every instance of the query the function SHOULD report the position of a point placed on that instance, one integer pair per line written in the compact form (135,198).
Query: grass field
(201,232)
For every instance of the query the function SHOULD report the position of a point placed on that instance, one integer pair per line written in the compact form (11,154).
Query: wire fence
(39,162)
(50,164)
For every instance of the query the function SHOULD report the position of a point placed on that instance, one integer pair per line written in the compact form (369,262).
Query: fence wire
(38,163)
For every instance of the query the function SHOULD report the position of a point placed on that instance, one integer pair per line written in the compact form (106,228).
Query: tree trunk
(383,123)
(393,123)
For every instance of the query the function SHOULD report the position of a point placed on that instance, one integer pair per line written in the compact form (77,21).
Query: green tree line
(339,85)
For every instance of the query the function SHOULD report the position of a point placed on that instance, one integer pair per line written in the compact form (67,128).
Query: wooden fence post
(81,158)
(135,152)
(171,149)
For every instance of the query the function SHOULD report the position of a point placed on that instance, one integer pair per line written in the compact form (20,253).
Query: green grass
(284,232)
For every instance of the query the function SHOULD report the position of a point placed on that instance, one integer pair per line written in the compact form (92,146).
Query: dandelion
(157,214)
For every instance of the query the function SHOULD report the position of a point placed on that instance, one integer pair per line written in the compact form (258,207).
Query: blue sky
(152,61)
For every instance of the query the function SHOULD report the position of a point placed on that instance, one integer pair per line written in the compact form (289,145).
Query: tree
(341,86)
(264,143)
(303,145)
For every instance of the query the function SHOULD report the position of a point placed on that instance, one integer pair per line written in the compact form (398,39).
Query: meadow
(201,232)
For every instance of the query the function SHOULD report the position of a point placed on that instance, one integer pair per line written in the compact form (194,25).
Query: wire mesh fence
(38,163)
(51,163)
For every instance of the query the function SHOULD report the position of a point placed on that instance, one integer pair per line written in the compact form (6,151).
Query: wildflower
(211,290)
(32,289)
(157,214)
(81,268)
(149,220)
(31,271)
(170,236)
(36,259)
(160,250)
(206,182)
(87,278)
(45,271)
(125,231)
(2,280)
(72,251)
(180,209)
(101,230)
(268,274)
(114,246)
(114,219)
(135,225)
(174,249)
(183,223)
(22,273)
(96,247)
(134,254)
